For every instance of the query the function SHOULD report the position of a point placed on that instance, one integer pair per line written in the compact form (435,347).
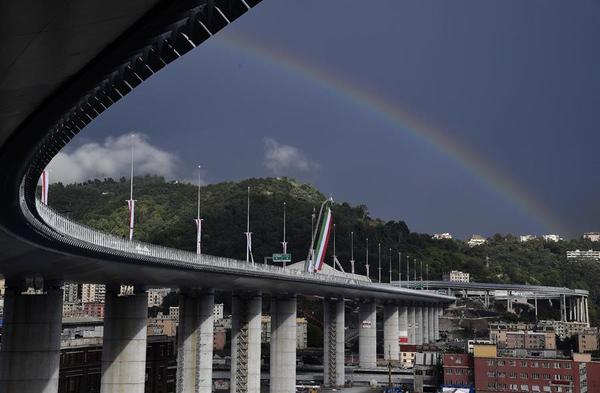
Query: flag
(323,240)
(45,183)
(131,207)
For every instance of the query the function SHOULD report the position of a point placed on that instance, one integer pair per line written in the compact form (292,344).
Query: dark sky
(462,116)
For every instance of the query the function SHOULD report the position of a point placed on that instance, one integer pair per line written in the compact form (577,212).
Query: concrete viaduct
(63,64)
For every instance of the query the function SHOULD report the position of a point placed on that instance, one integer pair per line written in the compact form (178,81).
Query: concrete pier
(430,313)
(195,341)
(425,319)
(436,322)
(246,311)
(283,345)
(367,335)
(418,325)
(412,335)
(403,323)
(333,343)
(124,343)
(30,355)
(391,332)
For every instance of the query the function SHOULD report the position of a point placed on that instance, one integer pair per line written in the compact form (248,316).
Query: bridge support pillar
(30,355)
(436,323)
(403,324)
(391,345)
(333,343)
(418,325)
(426,326)
(124,343)
(412,333)
(195,341)
(283,345)
(367,335)
(246,314)
(431,313)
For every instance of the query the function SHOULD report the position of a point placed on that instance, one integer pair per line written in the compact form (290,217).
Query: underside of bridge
(63,63)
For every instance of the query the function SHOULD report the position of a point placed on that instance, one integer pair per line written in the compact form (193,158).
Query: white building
(471,344)
(589,254)
(93,293)
(70,292)
(476,240)
(526,238)
(552,238)
(592,236)
(156,296)
(456,276)
(442,236)
(174,313)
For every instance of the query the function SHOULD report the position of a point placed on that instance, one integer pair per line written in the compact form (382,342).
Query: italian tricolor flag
(323,240)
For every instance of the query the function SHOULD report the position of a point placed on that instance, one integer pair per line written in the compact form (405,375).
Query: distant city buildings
(592,236)
(476,240)
(526,238)
(156,296)
(442,236)
(579,254)
(552,238)
(93,293)
(456,276)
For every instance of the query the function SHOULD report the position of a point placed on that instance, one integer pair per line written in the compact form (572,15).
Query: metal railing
(81,235)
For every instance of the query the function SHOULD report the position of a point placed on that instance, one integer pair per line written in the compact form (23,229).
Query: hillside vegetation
(165,212)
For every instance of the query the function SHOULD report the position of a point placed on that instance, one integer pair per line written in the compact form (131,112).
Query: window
(567,366)
(523,375)
(535,376)
(523,363)
(490,362)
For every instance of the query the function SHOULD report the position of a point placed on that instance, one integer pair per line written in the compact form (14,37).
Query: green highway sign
(282,257)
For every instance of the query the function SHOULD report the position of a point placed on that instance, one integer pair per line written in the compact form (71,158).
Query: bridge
(64,64)
(573,302)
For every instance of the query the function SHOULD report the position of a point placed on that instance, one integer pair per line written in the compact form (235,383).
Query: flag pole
(367,260)
(249,256)
(131,201)
(400,269)
(198,219)
(284,243)
(379,268)
(390,265)
(352,251)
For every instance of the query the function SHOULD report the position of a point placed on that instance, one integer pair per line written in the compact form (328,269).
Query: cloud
(111,158)
(283,159)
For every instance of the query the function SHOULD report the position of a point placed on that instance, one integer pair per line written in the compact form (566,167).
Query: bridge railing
(71,229)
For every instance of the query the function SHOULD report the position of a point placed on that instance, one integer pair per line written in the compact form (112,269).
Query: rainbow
(400,118)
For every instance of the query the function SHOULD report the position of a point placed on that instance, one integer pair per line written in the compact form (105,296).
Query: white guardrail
(74,230)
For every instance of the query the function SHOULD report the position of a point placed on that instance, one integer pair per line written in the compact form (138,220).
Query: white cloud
(283,159)
(111,158)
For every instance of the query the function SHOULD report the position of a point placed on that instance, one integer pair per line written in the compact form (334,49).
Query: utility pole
(284,243)
(352,252)
(379,252)
(367,260)
(390,265)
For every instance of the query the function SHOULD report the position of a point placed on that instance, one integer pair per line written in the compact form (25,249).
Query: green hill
(165,212)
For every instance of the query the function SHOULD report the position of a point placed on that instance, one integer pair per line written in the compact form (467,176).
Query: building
(162,327)
(523,336)
(301,331)
(526,238)
(493,373)
(174,313)
(552,238)
(589,255)
(587,341)
(456,276)
(156,296)
(471,344)
(476,240)
(94,309)
(218,311)
(71,292)
(564,329)
(458,369)
(592,236)
(93,293)
(442,236)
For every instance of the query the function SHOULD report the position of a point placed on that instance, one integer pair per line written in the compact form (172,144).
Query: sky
(462,117)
